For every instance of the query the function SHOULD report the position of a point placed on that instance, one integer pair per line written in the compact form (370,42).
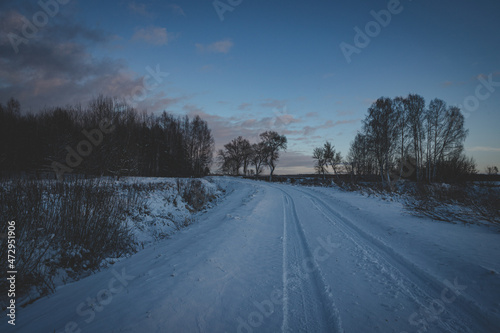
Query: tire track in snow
(408,277)
(307,301)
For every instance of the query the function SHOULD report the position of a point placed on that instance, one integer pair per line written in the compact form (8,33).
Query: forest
(105,138)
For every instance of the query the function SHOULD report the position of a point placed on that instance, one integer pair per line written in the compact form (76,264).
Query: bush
(71,225)
(193,193)
(466,203)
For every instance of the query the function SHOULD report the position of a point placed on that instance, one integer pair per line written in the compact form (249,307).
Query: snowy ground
(164,211)
(274,258)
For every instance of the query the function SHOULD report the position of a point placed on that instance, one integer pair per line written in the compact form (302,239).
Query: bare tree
(492,170)
(258,157)
(435,123)
(332,157)
(246,154)
(321,162)
(381,128)
(226,162)
(415,110)
(402,126)
(199,146)
(235,155)
(13,106)
(273,143)
(360,156)
(453,134)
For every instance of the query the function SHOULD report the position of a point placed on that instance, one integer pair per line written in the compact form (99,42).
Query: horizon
(308,72)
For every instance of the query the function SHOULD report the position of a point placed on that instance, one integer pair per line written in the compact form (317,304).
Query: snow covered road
(280,258)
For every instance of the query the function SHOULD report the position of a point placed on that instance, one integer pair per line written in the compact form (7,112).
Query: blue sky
(268,65)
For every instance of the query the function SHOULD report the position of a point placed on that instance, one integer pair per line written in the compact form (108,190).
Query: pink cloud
(244,106)
(308,130)
(274,103)
(153,35)
(222,46)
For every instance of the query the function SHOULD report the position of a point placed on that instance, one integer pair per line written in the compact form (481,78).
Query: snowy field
(281,258)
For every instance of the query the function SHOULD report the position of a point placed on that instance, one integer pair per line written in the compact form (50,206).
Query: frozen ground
(273,258)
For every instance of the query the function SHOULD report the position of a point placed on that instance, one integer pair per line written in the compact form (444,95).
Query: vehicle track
(421,287)
(307,302)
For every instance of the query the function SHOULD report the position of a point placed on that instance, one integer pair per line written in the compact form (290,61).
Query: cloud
(225,129)
(342,113)
(56,68)
(193,110)
(153,35)
(57,28)
(484,149)
(292,162)
(177,10)
(369,101)
(312,115)
(483,76)
(222,46)
(140,9)
(452,83)
(159,101)
(274,103)
(244,106)
(207,68)
(308,130)
(286,119)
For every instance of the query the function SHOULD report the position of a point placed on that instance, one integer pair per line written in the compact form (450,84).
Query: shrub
(70,225)
(193,193)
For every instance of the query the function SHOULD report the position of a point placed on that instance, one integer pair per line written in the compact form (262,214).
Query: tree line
(240,154)
(107,137)
(402,134)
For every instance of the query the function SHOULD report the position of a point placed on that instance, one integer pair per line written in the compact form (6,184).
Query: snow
(163,211)
(275,257)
